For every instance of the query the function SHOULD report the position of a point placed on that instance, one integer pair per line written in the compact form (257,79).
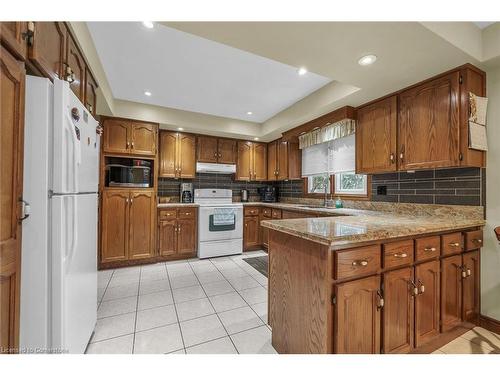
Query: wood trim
(490,324)
(354,197)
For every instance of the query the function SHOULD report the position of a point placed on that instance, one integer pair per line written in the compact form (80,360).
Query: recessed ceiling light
(367,60)
(249,113)
(147,93)
(181,129)
(302,71)
(148,24)
(256,139)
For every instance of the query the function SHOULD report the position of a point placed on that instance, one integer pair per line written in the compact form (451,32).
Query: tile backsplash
(460,186)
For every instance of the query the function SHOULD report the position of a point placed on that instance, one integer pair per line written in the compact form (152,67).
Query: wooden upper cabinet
(143,138)
(471,286)
(244,164)
(227,151)
(207,150)
(427,302)
(397,314)
(272,158)
(357,316)
(141,228)
(376,137)
(75,66)
(186,155)
(429,132)
(48,50)
(14,38)
(90,92)
(451,292)
(259,162)
(114,225)
(284,161)
(116,136)
(12,85)
(168,154)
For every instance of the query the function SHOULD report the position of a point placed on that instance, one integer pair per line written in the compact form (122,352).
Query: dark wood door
(12,36)
(451,292)
(186,236)
(429,124)
(471,286)
(376,137)
(167,237)
(116,136)
(397,314)
(90,92)
(259,162)
(142,223)
(143,141)
(114,225)
(357,317)
(427,302)
(187,155)
(251,232)
(12,81)
(227,151)
(207,150)
(272,155)
(168,154)
(244,164)
(282,160)
(76,65)
(48,50)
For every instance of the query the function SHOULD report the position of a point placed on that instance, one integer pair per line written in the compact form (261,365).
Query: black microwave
(136,175)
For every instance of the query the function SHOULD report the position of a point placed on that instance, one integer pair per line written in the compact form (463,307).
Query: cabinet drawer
(473,239)
(451,243)
(187,212)
(168,214)
(276,213)
(427,248)
(357,262)
(251,211)
(267,213)
(398,253)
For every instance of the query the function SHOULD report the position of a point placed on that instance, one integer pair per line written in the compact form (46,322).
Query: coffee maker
(268,193)
(186,192)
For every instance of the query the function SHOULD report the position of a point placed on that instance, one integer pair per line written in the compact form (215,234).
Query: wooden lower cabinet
(251,238)
(471,287)
(427,302)
(127,225)
(177,236)
(398,311)
(357,316)
(451,292)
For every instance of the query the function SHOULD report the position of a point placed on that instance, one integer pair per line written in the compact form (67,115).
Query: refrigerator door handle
(77,160)
(74,231)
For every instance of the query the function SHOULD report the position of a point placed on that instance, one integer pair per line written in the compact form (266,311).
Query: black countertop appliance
(268,193)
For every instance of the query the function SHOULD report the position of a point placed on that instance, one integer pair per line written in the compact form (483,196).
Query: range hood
(215,168)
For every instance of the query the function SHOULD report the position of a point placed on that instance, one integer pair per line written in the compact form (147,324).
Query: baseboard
(490,324)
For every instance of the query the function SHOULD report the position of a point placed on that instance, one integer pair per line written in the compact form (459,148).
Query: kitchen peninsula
(393,280)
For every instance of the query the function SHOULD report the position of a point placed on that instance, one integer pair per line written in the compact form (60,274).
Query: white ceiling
(191,73)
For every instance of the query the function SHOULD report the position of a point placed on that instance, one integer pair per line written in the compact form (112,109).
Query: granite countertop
(176,204)
(356,227)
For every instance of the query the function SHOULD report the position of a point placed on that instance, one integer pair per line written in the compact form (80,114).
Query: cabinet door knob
(430,249)
(421,286)
(391,157)
(128,145)
(400,255)
(455,244)
(381,301)
(414,287)
(469,272)
(401,156)
(477,240)
(132,144)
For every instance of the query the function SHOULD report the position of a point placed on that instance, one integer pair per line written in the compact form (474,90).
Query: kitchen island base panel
(299,271)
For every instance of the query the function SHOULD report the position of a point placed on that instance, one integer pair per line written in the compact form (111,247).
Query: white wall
(490,255)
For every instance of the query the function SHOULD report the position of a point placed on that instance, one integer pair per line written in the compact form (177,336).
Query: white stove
(220,223)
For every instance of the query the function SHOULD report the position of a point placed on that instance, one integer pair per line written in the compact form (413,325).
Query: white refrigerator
(59,244)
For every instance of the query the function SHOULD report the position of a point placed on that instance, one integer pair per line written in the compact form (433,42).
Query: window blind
(315,159)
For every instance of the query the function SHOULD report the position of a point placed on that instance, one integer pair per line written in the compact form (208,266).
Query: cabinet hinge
(29,33)
(334,299)
(460,156)
(460,79)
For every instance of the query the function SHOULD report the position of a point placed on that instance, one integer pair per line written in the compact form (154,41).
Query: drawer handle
(362,263)
(455,244)
(400,255)
(477,240)
(430,249)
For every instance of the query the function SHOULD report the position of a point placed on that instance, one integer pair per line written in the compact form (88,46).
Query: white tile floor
(216,306)
(196,306)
